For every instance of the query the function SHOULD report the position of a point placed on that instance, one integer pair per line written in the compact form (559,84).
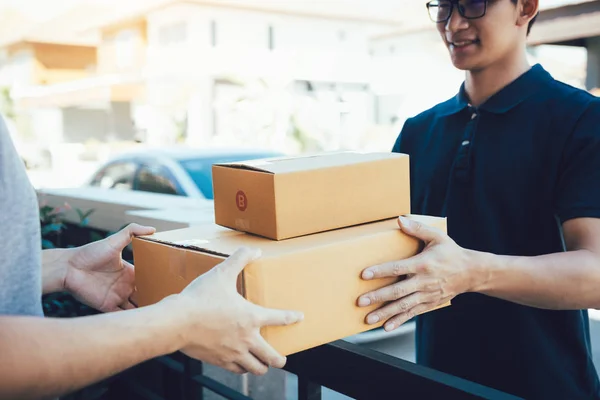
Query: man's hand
(440,272)
(98,276)
(221,327)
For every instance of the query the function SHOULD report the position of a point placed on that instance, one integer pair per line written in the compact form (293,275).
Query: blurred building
(291,76)
(199,72)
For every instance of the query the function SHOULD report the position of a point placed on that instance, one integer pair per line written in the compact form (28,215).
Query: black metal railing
(346,368)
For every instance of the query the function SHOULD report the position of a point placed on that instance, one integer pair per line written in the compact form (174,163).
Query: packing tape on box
(177,263)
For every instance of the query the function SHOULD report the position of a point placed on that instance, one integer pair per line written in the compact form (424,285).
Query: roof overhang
(94,90)
(567,25)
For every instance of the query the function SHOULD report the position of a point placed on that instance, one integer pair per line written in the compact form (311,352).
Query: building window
(171,34)
(342,36)
(271,37)
(125,48)
(213,33)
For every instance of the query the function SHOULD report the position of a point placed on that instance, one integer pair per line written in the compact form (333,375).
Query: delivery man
(45,357)
(513,162)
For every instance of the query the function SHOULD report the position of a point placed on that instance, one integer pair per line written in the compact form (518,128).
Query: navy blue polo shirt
(506,174)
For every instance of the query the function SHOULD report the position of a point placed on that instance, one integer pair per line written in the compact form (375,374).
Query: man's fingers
(127,306)
(402,318)
(395,268)
(236,263)
(252,364)
(127,265)
(420,231)
(139,230)
(235,368)
(390,293)
(122,238)
(272,317)
(402,306)
(266,353)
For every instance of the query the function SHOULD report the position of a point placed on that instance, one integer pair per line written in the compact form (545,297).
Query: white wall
(47,125)
(326,52)
(249,29)
(18,70)
(304,48)
(81,125)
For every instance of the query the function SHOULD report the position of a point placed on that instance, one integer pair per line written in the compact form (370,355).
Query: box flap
(213,239)
(307,163)
(194,238)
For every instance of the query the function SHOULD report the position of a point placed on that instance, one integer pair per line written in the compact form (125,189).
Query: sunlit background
(84,80)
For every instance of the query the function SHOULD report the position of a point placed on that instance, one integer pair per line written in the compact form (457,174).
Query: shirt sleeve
(398,145)
(578,188)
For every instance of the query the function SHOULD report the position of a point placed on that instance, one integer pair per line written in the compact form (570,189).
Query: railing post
(173,384)
(308,390)
(192,368)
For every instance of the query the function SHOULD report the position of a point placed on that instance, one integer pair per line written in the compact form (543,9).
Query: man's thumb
(236,263)
(418,230)
(123,237)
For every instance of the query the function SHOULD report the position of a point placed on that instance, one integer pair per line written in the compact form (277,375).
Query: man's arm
(43,357)
(444,270)
(208,321)
(569,280)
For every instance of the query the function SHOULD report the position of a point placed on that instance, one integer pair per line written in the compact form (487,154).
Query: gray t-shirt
(20,241)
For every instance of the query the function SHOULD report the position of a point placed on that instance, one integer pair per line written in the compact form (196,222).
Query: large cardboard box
(290,197)
(316,274)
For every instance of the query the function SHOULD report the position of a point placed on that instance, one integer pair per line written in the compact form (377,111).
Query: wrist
(55,267)
(173,310)
(482,267)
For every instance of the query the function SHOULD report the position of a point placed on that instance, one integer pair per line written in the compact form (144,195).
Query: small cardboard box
(291,197)
(316,274)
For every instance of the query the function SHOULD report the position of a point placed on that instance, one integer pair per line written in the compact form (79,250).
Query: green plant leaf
(46,244)
(56,227)
(83,216)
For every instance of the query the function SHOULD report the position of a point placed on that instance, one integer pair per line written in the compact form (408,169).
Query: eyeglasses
(441,10)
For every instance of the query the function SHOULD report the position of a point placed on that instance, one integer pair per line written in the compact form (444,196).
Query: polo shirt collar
(507,98)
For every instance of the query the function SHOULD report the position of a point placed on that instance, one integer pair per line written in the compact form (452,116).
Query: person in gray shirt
(46,357)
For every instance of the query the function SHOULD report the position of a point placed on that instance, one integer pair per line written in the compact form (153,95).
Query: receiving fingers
(272,317)
(236,263)
(235,368)
(122,238)
(252,364)
(264,352)
(140,230)
(127,306)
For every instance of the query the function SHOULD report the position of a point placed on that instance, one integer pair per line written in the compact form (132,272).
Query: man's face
(477,43)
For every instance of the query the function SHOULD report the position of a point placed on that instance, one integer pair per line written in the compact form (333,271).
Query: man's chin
(464,65)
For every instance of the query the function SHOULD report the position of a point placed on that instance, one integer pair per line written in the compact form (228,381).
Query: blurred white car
(177,171)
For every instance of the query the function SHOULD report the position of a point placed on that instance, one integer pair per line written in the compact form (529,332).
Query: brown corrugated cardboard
(316,274)
(290,197)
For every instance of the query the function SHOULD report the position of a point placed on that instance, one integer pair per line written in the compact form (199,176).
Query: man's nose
(456,22)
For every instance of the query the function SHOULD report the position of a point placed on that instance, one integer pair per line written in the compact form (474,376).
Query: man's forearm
(44,357)
(54,269)
(562,281)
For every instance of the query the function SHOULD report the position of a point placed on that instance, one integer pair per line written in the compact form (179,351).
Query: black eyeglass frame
(453,3)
